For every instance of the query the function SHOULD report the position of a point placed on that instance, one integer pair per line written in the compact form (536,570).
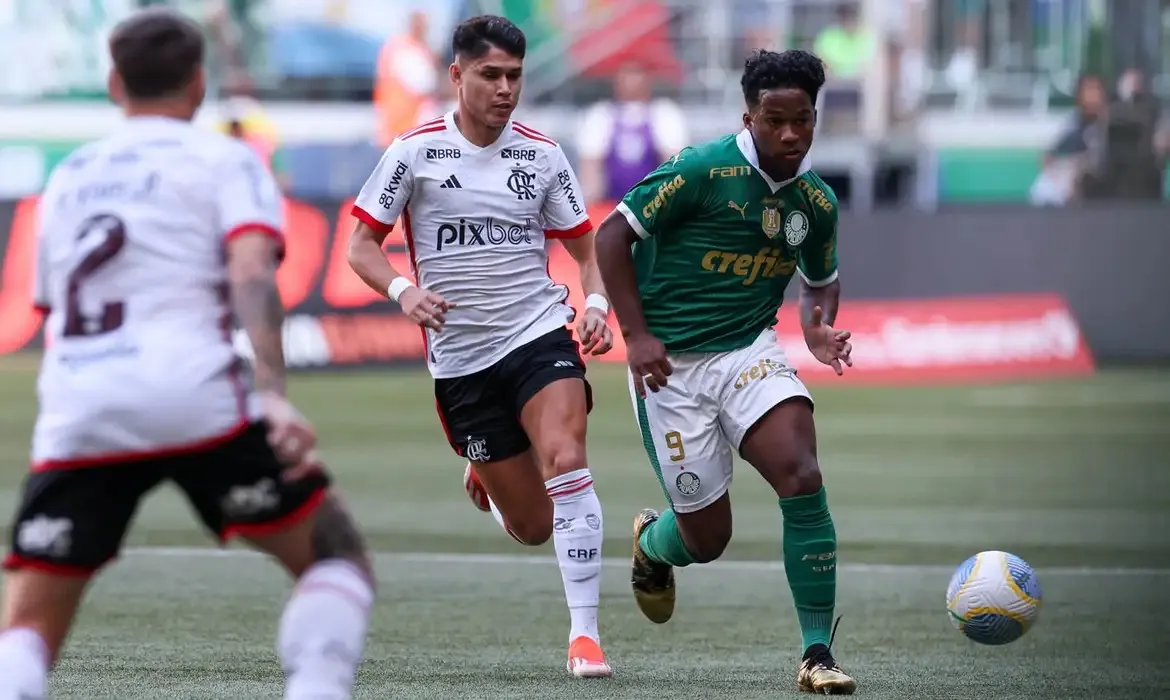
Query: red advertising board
(335,320)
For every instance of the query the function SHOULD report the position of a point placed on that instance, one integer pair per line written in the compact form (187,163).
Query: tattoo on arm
(260,311)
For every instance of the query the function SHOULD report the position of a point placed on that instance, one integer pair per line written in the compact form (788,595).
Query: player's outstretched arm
(369,262)
(818,313)
(593,330)
(615,261)
(820,289)
(251,268)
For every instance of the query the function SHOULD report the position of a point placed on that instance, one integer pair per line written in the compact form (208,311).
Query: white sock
(497,514)
(24,665)
(323,629)
(577,535)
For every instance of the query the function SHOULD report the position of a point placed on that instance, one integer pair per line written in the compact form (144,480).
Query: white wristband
(597,301)
(397,287)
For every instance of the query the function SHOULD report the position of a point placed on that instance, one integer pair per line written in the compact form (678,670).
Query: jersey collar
(747,146)
(453,129)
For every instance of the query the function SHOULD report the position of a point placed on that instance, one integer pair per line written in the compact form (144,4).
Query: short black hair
(476,36)
(156,52)
(769,70)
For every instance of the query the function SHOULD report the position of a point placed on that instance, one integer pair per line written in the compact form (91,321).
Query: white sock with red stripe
(322,633)
(24,665)
(577,535)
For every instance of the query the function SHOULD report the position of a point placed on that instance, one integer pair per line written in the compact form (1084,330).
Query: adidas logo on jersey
(451,183)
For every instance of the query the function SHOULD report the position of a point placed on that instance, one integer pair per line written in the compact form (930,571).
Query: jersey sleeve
(663,198)
(816,259)
(248,197)
(563,214)
(42,294)
(40,285)
(387,190)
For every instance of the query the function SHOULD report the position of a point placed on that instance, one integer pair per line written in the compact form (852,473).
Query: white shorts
(692,427)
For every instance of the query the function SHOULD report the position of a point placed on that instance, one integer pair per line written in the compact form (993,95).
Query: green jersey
(720,240)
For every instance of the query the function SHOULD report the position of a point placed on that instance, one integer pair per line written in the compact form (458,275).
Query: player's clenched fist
(647,357)
(424,307)
(594,332)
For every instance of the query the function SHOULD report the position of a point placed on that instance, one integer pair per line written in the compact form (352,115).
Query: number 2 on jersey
(110,233)
(675,442)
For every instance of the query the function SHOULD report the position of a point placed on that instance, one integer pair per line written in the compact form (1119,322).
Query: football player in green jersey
(696,259)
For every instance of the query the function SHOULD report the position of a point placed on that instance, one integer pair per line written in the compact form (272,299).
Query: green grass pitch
(1074,476)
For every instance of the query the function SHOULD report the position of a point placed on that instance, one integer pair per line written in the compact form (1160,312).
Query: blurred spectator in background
(405,81)
(963,68)
(623,139)
(847,46)
(243,117)
(1134,143)
(237,39)
(1075,160)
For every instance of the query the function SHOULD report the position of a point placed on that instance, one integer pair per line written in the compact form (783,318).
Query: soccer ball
(994,598)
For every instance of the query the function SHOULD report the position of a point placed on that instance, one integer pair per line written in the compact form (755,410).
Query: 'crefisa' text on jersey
(475,222)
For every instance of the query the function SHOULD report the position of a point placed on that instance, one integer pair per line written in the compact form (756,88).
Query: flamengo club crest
(770,221)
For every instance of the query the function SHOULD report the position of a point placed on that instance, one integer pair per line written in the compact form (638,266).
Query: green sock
(810,561)
(662,542)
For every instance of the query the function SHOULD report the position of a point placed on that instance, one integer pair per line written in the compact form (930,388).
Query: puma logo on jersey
(741,209)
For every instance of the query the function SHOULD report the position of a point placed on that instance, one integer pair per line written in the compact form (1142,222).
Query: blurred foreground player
(148,241)
(697,257)
(478,195)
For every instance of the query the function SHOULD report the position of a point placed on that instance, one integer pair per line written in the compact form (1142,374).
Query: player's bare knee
(796,475)
(530,531)
(564,457)
(335,535)
(708,546)
(706,534)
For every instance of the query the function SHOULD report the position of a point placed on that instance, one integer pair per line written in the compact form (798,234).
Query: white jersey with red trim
(131,270)
(475,221)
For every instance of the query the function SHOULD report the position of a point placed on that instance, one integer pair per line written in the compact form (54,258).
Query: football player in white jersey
(149,241)
(478,195)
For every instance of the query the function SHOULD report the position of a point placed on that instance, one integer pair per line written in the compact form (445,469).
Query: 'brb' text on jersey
(130,266)
(720,241)
(475,221)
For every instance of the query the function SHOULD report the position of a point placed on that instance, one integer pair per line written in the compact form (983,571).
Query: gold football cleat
(819,672)
(653,582)
(824,676)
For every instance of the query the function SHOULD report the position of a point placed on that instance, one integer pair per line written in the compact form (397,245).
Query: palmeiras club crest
(795,228)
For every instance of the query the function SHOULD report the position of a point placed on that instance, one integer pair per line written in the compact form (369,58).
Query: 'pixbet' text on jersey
(489,232)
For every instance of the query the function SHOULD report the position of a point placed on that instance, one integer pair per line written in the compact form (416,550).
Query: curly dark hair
(768,70)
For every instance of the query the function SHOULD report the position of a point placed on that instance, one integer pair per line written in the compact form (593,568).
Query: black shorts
(481,412)
(73,521)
